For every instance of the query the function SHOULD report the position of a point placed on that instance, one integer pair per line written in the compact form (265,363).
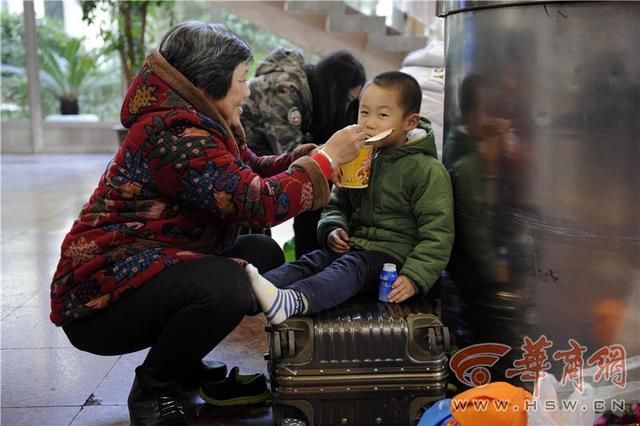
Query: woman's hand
(336,177)
(401,289)
(345,144)
(338,241)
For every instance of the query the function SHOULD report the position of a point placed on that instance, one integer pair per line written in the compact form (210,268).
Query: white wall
(60,137)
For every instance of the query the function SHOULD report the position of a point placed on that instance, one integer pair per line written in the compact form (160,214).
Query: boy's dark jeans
(327,279)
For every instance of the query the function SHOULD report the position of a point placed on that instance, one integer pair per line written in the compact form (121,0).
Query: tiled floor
(45,381)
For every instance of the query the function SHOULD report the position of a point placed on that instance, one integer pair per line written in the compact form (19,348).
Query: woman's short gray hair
(207,54)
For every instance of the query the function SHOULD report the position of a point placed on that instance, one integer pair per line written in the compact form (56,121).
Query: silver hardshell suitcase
(361,363)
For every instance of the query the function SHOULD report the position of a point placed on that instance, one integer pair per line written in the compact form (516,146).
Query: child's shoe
(237,389)
(205,372)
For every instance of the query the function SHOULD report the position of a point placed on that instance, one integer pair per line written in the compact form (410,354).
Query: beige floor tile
(51,377)
(29,327)
(102,415)
(114,389)
(32,416)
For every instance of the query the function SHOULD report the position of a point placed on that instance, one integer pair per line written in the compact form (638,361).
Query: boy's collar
(415,135)
(412,136)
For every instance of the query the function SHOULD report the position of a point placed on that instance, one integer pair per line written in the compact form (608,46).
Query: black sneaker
(154,409)
(237,389)
(205,372)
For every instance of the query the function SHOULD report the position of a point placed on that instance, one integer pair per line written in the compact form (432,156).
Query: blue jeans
(327,279)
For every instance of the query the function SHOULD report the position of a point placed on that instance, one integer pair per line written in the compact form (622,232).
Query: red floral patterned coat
(179,187)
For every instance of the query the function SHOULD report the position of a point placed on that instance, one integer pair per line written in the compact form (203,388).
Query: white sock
(278,304)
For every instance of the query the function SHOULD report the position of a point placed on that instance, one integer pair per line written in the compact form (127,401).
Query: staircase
(320,27)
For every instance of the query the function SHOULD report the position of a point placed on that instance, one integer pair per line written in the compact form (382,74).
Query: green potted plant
(67,71)
(128,30)
(127,33)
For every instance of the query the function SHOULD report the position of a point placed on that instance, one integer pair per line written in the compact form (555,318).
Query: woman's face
(230,106)
(354,92)
(352,96)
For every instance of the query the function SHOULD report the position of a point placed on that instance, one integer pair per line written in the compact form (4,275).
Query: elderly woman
(154,258)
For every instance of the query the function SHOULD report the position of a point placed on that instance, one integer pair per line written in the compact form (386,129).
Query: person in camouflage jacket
(277,114)
(293,103)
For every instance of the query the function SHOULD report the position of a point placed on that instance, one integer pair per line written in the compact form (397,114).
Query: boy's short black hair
(410,94)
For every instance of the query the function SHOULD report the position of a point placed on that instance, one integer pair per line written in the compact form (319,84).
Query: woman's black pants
(181,314)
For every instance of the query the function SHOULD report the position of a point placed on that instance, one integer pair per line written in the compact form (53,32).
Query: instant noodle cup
(355,174)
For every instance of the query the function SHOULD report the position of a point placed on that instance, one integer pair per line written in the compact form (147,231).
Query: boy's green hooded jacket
(406,211)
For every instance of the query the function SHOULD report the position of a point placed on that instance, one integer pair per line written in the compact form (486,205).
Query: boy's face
(379,111)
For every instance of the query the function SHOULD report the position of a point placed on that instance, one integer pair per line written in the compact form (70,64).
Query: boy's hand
(401,289)
(338,241)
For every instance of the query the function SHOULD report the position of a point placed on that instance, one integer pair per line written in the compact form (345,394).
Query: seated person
(404,216)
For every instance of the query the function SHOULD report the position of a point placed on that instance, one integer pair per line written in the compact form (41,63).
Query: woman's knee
(260,250)
(237,294)
(223,284)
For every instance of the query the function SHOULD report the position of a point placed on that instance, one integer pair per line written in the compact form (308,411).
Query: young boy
(404,216)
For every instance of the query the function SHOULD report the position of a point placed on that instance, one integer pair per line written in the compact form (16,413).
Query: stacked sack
(427,66)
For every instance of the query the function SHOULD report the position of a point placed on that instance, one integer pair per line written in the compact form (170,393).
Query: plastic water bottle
(387,277)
